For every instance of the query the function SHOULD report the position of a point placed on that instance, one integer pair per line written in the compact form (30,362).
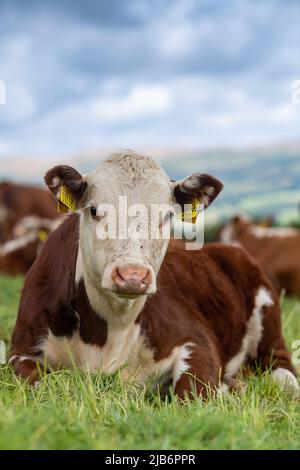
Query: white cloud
(141,101)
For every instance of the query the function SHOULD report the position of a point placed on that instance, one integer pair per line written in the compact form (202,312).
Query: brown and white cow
(19,253)
(19,201)
(275,249)
(190,318)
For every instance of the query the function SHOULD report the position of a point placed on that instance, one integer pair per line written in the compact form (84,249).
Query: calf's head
(118,204)
(235,229)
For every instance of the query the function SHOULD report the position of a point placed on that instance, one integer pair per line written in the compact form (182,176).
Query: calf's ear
(197,187)
(64,175)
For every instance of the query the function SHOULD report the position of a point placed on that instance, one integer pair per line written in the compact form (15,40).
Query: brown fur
(279,256)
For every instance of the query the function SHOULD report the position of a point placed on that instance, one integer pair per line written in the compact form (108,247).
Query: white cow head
(126,267)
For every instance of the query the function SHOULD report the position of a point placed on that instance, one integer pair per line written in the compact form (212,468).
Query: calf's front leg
(198,375)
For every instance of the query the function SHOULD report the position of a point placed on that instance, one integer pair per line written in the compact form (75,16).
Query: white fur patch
(191,182)
(73,351)
(253,334)
(32,223)
(181,365)
(223,388)
(286,379)
(209,190)
(280,232)
(255,327)
(56,181)
(79,267)
(17,243)
(25,358)
(227,234)
(125,347)
(235,363)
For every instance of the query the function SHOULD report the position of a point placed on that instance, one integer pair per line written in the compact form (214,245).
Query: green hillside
(258,182)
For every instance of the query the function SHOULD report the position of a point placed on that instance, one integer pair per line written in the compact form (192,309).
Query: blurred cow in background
(276,249)
(18,201)
(27,215)
(29,235)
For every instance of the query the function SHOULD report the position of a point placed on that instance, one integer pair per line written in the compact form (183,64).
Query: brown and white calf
(189,318)
(275,249)
(19,201)
(19,253)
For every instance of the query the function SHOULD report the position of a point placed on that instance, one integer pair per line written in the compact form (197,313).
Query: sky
(94,74)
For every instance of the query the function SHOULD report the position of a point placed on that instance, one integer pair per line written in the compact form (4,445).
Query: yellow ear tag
(61,207)
(65,201)
(42,235)
(190,215)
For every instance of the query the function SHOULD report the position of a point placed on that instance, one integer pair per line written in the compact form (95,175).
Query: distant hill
(258,181)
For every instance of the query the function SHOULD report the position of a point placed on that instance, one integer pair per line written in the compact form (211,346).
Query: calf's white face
(122,197)
(126,266)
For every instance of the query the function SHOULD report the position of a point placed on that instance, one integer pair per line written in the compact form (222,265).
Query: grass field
(73,410)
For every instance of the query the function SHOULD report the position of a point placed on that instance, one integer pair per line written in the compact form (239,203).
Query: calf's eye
(93,212)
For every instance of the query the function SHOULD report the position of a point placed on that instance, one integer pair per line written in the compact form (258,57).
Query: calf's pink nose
(131,279)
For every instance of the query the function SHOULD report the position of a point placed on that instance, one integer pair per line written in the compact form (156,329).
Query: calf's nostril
(119,274)
(118,278)
(148,277)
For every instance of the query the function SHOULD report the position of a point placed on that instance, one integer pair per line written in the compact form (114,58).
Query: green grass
(74,410)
